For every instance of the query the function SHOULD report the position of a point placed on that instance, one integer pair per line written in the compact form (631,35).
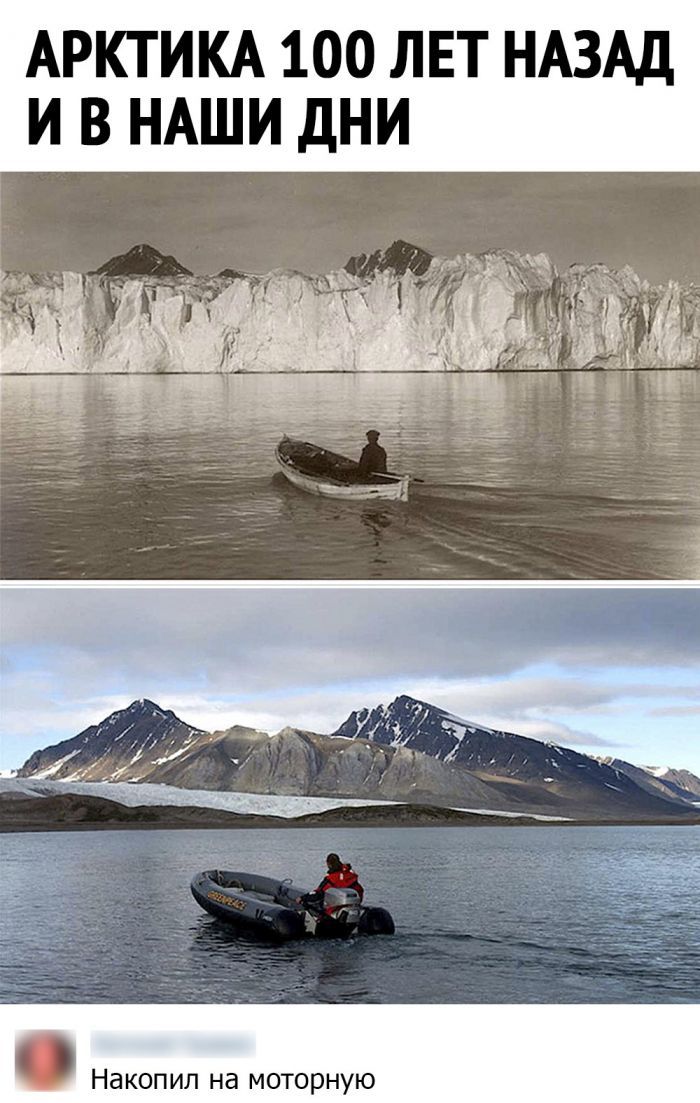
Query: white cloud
(525,705)
(307,657)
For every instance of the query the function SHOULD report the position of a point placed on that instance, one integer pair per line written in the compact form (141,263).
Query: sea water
(485,915)
(527,476)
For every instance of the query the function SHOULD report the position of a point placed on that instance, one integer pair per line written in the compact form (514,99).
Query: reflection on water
(551,475)
(483,915)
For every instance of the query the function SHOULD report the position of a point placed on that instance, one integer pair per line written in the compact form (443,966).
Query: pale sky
(608,671)
(315,221)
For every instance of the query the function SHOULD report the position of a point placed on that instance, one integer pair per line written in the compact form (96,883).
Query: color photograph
(351,796)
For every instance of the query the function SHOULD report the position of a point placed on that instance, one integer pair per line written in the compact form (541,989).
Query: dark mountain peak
(139,709)
(141,718)
(145,251)
(400,257)
(125,746)
(144,704)
(403,701)
(142,260)
(403,706)
(418,725)
(230,274)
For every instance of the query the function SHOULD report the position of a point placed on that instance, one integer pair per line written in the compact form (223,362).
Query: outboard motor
(334,913)
(342,905)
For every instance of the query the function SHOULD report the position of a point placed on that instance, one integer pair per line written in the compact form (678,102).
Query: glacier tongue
(496,311)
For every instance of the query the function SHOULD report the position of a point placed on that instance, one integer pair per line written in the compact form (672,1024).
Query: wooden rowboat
(330,475)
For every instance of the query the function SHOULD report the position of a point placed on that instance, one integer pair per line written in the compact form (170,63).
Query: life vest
(344,878)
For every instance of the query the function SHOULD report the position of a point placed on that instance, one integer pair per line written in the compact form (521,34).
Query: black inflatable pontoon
(282,911)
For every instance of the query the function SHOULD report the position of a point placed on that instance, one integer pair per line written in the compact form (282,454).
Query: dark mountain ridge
(400,257)
(678,784)
(511,763)
(120,748)
(146,743)
(142,260)
(407,751)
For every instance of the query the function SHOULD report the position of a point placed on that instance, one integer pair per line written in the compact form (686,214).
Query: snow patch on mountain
(657,771)
(56,766)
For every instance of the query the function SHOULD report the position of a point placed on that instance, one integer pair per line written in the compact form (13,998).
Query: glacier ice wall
(493,312)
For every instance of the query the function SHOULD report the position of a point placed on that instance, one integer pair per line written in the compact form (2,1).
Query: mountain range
(145,260)
(407,751)
(393,309)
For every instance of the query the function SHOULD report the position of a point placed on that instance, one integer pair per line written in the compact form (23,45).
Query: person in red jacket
(340,875)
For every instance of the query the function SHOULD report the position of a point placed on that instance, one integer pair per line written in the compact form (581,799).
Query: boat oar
(391,475)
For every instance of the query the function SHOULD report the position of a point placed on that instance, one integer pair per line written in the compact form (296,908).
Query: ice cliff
(497,311)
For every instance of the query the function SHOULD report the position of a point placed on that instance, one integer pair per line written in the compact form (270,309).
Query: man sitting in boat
(340,875)
(373,458)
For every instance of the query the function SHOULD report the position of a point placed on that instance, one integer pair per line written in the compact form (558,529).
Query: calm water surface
(571,475)
(483,915)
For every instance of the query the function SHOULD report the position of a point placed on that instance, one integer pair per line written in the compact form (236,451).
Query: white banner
(477,119)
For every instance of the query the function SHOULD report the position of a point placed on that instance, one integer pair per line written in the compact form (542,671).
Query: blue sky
(613,671)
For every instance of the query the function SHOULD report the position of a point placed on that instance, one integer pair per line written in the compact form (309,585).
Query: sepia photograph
(365,376)
(296,795)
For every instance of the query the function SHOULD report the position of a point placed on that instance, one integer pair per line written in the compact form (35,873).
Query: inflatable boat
(282,911)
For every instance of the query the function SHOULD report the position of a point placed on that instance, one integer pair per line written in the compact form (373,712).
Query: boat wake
(523,533)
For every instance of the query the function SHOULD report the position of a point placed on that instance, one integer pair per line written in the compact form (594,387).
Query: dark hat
(372,434)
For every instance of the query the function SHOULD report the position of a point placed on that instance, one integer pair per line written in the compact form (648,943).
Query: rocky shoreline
(83,813)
